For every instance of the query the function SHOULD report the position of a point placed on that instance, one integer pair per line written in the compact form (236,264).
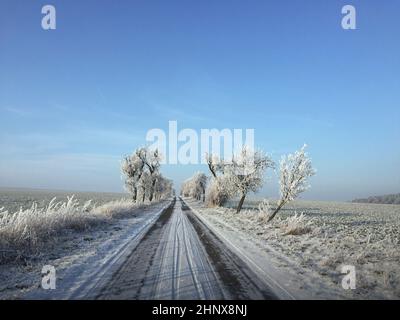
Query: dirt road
(180,258)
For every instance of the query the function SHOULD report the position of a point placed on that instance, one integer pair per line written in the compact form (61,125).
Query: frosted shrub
(26,229)
(297,224)
(264,211)
(218,191)
(217,194)
(116,208)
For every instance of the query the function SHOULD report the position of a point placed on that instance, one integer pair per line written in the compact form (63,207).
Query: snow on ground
(77,256)
(364,235)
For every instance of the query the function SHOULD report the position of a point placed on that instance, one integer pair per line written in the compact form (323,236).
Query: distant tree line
(385,199)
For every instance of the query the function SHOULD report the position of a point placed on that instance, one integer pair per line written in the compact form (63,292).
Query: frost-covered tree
(195,187)
(246,172)
(163,188)
(141,171)
(237,176)
(152,160)
(185,188)
(218,191)
(215,165)
(144,186)
(295,169)
(133,167)
(200,181)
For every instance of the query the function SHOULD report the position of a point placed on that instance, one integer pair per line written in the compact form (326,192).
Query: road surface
(180,258)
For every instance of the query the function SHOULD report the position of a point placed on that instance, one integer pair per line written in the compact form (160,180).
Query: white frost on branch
(246,172)
(264,210)
(238,176)
(295,169)
(142,175)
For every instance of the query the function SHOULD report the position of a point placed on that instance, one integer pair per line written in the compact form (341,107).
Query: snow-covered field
(364,235)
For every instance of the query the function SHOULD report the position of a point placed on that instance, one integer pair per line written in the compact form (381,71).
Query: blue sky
(74,100)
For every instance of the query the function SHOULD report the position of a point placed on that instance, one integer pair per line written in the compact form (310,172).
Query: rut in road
(179,258)
(169,263)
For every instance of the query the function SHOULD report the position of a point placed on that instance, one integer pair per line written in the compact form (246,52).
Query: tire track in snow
(179,258)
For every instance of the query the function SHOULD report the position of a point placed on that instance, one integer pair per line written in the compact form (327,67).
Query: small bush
(117,208)
(216,196)
(296,225)
(264,211)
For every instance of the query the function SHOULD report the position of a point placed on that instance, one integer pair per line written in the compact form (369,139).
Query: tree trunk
(153,183)
(276,211)
(239,207)
(134,196)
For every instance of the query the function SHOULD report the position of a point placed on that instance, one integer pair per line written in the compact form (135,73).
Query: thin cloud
(17,111)
(32,143)
(175,113)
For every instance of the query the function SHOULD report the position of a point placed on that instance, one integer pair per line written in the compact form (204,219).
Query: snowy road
(180,258)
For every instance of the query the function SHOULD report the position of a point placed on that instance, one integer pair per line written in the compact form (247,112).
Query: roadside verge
(287,279)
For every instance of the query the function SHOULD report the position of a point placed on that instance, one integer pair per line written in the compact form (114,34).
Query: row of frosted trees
(195,187)
(143,179)
(244,173)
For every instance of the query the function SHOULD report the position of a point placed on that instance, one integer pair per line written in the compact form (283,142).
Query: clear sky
(74,100)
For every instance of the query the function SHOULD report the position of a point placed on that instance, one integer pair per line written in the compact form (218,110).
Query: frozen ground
(364,235)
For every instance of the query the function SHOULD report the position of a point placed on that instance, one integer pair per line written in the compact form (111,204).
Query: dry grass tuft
(264,211)
(117,208)
(296,225)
